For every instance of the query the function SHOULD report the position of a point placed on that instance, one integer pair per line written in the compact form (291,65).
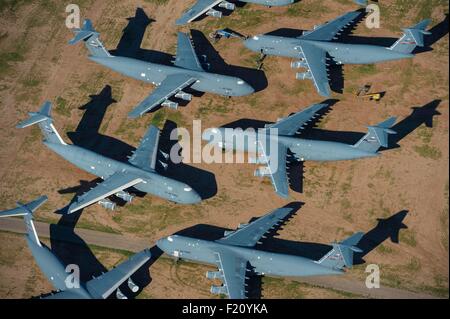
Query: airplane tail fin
(377,136)
(27,211)
(341,255)
(412,37)
(45,122)
(91,39)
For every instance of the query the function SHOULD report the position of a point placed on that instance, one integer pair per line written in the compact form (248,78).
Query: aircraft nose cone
(249,89)
(195,198)
(249,43)
(161,243)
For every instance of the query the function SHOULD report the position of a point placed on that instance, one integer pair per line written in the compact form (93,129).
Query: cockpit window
(255,37)
(187,189)
(170,238)
(240,82)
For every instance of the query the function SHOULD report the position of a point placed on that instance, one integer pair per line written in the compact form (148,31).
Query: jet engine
(262,172)
(133,287)
(184,96)
(214,13)
(120,295)
(106,203)
(227,5)
(299,64)
(214,275)
(170,104)
(218,290)
(125,196)
(304,76)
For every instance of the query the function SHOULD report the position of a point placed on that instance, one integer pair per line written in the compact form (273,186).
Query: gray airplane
(98,288)
(282,134)
(170,80)
(207,7)
(139,172)
(236,253)
(315,49)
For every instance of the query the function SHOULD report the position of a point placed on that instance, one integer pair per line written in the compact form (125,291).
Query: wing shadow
(256,78)
(202,181)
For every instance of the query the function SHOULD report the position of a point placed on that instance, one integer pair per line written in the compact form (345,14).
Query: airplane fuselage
(303,149)
(264,263)
(156,73)
(342,53)
(103,167)
(55,271)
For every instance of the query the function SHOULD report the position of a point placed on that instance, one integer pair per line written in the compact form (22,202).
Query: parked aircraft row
(314,51)
(235,255)
(237,252)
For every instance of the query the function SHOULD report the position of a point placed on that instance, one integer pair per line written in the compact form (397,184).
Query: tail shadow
(130,43)
(386,228)
(87,134)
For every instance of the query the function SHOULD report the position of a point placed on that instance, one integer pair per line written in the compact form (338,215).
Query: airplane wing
(233,269)
(249,235)
(275,168)
(316,60)
(186,56)
(106,284)
(291,124)
(145,155)
(171,85)
(332,29)
(111,185)
(199,8)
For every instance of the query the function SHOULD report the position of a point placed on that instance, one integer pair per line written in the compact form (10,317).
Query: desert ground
(399,198)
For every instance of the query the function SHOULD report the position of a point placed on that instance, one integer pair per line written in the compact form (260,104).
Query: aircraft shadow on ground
(130,43)
(387,228)
(419,115)
(87,135)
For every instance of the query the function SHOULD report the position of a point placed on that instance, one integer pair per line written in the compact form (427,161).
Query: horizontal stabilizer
(378,136)
(382,130)
(24,209)
(418,31)
(342,253)
(412,37)
(84,33)
(36,117)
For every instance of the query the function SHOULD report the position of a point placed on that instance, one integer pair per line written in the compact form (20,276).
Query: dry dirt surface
(371,195)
